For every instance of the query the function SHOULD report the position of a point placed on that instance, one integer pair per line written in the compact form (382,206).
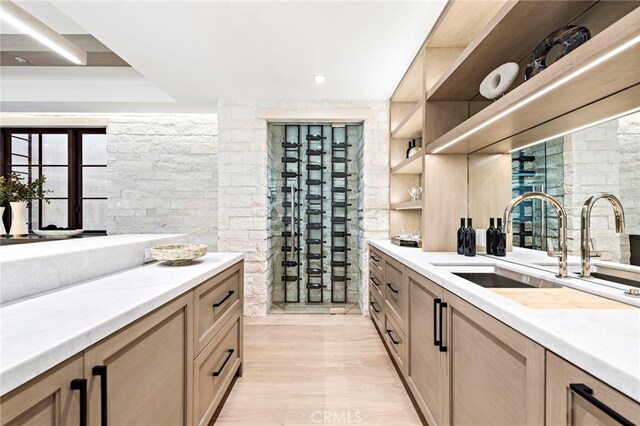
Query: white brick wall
(162,175)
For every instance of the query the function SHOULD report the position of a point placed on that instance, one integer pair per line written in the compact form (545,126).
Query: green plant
(14,189)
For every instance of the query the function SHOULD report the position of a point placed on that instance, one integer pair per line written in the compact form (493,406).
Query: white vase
(18,222)
(2,230)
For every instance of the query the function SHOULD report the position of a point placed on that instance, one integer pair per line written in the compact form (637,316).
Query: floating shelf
(407,205)
(411,125)
(536,104)
(410,166)
(508,37)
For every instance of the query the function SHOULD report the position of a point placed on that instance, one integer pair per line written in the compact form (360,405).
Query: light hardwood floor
(316,369)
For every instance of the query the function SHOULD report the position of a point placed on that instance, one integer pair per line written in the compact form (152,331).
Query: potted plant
(19,193)
(3,197)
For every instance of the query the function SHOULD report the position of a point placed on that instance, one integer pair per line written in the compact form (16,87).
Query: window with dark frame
(74,163)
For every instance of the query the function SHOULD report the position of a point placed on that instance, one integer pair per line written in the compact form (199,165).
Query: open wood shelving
(438,98)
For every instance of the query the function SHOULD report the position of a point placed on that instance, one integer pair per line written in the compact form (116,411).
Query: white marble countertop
(40,332)
(603,342)
(55,264)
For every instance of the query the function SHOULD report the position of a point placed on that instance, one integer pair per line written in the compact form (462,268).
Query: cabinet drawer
(576,397)
(395,291)
(375,310)
(214,369)
(376,284)
(376,262)
(214,302)
(395,339)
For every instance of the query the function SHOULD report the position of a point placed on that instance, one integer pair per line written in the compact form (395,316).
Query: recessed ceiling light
(319,78)
(21,60)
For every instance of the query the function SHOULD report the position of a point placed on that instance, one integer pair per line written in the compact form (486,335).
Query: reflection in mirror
(602,158)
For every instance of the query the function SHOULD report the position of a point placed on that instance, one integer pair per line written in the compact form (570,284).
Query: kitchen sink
(496,277)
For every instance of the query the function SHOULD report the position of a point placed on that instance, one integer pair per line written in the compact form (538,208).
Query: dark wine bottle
(469,239)
(500,241)
(461,237)
(491,231)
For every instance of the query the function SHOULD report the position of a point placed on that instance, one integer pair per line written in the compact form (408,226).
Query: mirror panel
(601,158)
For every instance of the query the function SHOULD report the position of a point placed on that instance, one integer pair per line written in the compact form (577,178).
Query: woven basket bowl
(178,254)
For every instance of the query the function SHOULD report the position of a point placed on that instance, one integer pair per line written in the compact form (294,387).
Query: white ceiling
(197,52)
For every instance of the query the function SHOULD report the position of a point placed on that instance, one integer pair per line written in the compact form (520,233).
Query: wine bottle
(491,231)
(500,241)
(461,236)
(469,239)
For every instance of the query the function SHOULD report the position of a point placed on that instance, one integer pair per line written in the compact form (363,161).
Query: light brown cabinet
(466,367)
(495,374)
(147,372)
(395,291)
(427,363)
(574,397)
(142,374)
(48,400)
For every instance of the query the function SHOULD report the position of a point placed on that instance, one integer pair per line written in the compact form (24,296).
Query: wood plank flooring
(316,369)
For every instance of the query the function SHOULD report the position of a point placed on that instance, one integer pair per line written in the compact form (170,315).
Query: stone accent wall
(244,205)
(162,175)
(629,144)
(592,164)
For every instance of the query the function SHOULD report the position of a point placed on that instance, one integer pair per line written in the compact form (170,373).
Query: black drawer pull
(587,393)
(394,341)
(373,305)
(229,353)
(101,370)
(436,341)
(81,385)
(393,289)
(217,305)
(375,259)
(375,282)
(443,348)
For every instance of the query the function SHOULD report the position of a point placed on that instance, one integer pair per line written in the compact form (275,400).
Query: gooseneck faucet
(562,224)
(585,225)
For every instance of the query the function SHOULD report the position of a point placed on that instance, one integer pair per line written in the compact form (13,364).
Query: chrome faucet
(585,225)
(561,254)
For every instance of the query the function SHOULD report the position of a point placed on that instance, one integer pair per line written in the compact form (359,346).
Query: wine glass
(415,192)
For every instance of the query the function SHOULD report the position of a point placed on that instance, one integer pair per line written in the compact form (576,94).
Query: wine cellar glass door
(314,182)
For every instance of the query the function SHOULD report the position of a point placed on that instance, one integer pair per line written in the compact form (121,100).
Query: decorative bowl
(58,232)
(178,254)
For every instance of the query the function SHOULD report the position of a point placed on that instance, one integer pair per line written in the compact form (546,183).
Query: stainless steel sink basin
(496,277)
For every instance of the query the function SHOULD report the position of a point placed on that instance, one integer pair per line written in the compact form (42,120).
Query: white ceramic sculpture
(499,80)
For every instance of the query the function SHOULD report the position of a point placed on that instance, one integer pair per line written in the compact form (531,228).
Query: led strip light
(543,92)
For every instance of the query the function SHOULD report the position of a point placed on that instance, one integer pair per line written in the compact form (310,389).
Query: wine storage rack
(315,174)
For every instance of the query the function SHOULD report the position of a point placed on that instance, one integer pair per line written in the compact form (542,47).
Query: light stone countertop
(38,333)
(603,342)
(23,267)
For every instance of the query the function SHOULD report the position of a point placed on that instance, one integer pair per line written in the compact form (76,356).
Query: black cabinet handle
(587,393)
(217,305)
(375,259)
(229,353)
(392,289)
(394,341)
(81,385)
(374,307)
(376,283)
(443,348)
(101,370)
(436,341)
